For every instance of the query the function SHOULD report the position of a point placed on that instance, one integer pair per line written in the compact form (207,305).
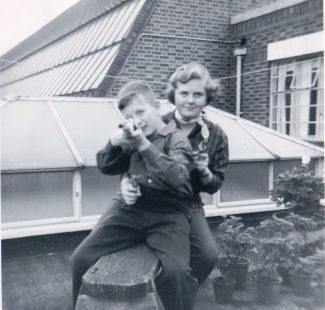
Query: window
(245,181)
(98,191)
(297,102)
(36,196)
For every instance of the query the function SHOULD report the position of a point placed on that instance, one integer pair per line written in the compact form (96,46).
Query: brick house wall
(154,59)
(300,19)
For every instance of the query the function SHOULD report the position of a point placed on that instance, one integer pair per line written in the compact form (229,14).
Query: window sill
(33,228)
(45,227)
(211,210)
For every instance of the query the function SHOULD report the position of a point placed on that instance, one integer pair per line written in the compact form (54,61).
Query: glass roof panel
(31,138)
(90,122)
(286,147)
(242,146)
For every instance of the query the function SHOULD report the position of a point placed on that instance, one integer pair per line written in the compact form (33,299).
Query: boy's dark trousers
(203,252)
(166,233)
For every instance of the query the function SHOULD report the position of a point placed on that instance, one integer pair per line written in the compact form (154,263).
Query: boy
(191,89)
(159,156)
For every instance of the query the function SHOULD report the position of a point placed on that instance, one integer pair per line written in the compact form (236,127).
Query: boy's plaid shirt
(164,166)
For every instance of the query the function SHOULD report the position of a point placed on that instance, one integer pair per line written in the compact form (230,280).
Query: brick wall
(300,19)
(154,59)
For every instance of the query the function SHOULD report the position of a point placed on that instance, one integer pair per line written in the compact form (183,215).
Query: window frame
(218,208)
(298,122)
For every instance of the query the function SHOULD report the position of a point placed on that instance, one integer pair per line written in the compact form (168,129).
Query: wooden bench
(122,281)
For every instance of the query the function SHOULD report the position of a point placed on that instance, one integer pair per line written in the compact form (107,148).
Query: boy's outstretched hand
(131,135)
(118,137)
(139,140)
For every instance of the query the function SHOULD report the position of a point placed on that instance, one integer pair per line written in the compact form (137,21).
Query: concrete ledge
(297,46)
(276,6)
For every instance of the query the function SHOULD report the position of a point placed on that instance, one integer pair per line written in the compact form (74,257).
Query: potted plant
(303,240)
(299,189)
(233,242)
(318,286)
(270,248)
(223,284)
(318,279)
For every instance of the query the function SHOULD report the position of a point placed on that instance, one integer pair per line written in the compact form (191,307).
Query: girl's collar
(181,120)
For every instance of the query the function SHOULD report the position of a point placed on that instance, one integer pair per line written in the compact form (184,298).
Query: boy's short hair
(132,89)
(190,72)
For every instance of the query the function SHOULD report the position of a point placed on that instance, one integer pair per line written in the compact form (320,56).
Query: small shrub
(298,189)
(271,247)
(318,260)
(303,240)
(233,243)
(232,239)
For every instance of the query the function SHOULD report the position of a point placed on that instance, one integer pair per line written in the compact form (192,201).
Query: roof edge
(267,9)
(127,47)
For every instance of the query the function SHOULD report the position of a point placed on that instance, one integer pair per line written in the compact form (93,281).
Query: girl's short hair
(190,72)
(132,89)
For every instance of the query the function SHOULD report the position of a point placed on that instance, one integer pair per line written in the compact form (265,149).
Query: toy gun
(134,179)
(128,126)
(203,145)
(201,148)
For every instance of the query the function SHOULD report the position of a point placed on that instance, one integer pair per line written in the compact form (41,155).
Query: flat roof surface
(36,275)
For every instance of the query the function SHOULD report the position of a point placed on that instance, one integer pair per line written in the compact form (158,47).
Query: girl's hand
(201,161)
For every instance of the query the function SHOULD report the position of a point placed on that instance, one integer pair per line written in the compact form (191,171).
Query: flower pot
(284,274)
(300,283)
(238,271)
(281,214)
(223,290)
(318,294)
(268,292)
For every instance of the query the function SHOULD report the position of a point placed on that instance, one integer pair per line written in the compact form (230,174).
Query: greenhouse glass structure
(50,182)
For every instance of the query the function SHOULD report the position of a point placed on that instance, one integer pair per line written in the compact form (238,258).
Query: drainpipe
(239,53)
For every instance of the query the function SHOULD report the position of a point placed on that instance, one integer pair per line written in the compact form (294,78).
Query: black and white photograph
(162,155)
